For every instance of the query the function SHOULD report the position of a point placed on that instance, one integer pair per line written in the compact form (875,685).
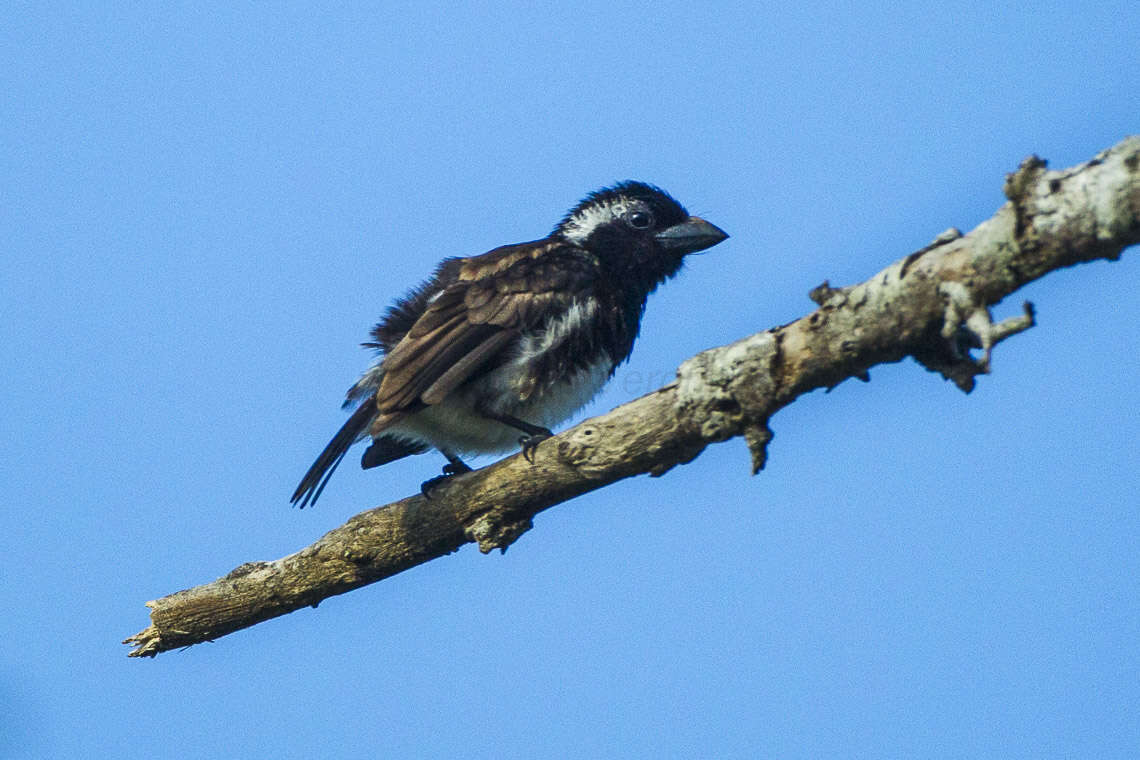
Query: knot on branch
(1019,189)
(966,325)
(494,530)
(1019,184)
(824,293)
(246,569)
(758,435)
(582,449)
(730,391)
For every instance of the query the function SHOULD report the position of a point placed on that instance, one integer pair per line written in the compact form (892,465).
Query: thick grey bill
(692,235)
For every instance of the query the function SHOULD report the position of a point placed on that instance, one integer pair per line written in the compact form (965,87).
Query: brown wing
(470,324)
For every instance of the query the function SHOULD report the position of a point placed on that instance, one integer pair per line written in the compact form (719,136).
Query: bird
(494,350)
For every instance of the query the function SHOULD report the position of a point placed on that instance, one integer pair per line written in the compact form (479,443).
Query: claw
(530,442)
(450,470)
(454,468)
(430,484)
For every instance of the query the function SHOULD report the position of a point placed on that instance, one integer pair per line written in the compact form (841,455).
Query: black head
(637,231)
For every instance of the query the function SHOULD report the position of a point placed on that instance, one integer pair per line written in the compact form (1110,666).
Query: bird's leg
(535,434)
(454,466)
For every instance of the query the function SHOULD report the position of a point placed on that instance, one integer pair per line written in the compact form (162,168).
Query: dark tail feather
(318,475)
(387,449)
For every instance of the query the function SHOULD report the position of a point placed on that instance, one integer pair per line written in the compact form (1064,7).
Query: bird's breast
(455,424)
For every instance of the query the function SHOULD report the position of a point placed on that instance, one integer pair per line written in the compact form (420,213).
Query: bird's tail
(318,475)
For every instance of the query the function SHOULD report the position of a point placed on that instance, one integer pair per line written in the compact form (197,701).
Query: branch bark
(932,305)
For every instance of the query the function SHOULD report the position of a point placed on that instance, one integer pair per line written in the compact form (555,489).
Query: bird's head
(637,230)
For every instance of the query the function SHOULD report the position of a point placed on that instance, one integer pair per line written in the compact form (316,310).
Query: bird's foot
(450,470)
(530,442)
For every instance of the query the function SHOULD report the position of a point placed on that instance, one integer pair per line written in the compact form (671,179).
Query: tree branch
(932,305)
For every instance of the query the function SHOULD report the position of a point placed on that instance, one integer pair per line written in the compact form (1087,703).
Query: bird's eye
(640,220)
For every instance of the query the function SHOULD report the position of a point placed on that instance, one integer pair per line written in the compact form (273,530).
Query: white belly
(454,425)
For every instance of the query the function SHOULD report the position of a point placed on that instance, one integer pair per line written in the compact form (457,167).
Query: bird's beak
(692,235)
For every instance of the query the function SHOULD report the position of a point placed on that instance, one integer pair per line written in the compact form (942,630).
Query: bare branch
(932,305)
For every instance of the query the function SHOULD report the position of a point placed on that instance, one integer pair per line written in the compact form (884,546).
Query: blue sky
(208,205)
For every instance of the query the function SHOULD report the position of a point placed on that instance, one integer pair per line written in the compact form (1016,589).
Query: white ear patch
(587,219)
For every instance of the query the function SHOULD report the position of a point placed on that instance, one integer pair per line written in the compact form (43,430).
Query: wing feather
(474,320)
(462,369)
